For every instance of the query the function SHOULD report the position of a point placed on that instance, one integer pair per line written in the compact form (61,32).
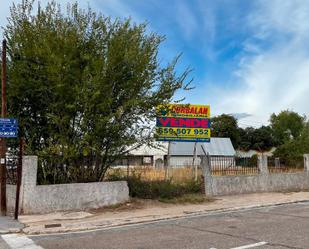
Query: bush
(160,189)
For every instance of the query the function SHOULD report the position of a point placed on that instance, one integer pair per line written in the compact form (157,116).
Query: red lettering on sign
(174,122)
(163,121)
(184,122)
(204,123)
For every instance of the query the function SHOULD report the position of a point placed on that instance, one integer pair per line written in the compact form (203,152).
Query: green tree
(82,85)
(256,138)
(226,126)
(296,147)
(286,125)
(246,138)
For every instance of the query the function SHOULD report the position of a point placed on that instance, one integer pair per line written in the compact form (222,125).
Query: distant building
(181,153)
(250,153)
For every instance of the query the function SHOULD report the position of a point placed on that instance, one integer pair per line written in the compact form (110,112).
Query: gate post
(207,175)
(263,164)
(28,182)
(306,162)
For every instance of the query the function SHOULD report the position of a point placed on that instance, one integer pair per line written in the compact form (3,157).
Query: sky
(248,58)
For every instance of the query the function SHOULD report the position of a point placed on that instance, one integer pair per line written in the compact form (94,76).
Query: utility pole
(2,141)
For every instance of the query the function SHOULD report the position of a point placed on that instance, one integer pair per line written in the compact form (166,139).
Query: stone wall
(226,185)
(62,197)
(263,182)
(10,198)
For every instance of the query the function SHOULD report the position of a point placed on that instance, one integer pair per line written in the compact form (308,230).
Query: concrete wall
(263,182)
(226,185)
(10,197)
(61,197)
(51,198)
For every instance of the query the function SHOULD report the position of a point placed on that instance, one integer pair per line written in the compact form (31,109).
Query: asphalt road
(276,227)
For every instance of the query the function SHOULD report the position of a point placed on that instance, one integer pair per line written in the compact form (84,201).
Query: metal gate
(13,170)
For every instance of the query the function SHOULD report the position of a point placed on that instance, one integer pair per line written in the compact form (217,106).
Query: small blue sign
(8,127)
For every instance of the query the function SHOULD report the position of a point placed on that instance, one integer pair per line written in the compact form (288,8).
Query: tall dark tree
(225,126)
(83,85)
(261,139)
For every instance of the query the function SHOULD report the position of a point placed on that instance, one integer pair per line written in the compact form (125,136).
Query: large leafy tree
(286,125)
(83,85)
(261,138)
(226,126)
(296,147)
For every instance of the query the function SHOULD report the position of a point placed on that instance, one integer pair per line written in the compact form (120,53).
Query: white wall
(10,198)
(61,197)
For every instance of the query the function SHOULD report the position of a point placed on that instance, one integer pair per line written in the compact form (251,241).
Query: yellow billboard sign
(180,122)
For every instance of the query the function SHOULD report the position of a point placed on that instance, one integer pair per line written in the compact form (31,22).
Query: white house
(181,153)
(250,153)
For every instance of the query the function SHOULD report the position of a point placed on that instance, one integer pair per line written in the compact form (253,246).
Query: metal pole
(2,141)
(128,167)
(194,161)
(168,159)
(19,176)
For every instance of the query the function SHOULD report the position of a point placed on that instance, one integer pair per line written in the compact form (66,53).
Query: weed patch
(187,198)
(159,189)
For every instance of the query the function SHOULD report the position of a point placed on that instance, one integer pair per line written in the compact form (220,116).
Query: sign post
(8,129)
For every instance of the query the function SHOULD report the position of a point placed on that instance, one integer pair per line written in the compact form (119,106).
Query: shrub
(159,189)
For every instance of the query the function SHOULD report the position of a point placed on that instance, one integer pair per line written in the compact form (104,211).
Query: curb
(178,217)
(12,230)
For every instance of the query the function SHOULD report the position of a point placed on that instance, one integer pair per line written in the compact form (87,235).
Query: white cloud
(117,8)
(277,77)
(186,20)
(4,13)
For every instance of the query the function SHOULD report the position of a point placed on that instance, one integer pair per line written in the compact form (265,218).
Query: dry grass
(152,174)
(234,173)
(285,170)
(179,175)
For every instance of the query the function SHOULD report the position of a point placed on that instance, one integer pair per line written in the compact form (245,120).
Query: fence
(220,165)
(60,170)
(285,164)
(12,161)
(233,165)
(11,169)
(56,170)
(249,165)
(264,181)
(149,173)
